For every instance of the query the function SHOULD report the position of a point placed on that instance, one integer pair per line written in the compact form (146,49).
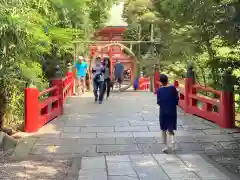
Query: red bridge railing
(38,112)
(144,84)
(218,109)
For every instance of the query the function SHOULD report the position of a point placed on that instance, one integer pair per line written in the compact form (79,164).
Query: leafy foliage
(201,32)
(35,36)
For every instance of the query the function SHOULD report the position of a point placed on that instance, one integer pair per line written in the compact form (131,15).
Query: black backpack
(97,78)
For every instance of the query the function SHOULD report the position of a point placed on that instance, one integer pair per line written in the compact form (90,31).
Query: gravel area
(34,169)
(4,154)
(231,161)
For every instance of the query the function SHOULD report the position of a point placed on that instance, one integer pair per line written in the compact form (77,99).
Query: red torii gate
(107,44)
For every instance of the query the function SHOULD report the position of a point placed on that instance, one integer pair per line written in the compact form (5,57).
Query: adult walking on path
(118,73)
(107,78)
(98,80)
(81,71)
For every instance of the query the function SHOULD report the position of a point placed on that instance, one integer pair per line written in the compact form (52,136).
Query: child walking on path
(167,99)
(107,79)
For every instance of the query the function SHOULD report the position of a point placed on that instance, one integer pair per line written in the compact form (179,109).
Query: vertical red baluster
(32,112)
(227,110)
(59,93)
(187,92)
(71,80)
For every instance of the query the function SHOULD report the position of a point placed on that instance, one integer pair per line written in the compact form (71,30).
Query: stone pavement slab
(93,163)
(150,167)
(93,174)
(121,140)
(117,148)
(131,129)
(97,129)
(95,141)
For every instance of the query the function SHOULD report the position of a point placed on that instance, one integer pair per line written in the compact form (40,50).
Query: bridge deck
(120,140)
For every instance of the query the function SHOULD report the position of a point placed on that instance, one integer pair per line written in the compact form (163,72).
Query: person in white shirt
(107,78)
(98,80)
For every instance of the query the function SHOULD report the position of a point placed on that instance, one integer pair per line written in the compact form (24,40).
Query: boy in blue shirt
(81,72)
(167,99)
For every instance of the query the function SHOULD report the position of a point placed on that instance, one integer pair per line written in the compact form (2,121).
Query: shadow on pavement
(126,124)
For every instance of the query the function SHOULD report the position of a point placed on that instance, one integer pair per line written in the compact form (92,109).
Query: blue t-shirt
(81,69)
(119,68)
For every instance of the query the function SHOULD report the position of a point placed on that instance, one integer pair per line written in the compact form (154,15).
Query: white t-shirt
(98,71)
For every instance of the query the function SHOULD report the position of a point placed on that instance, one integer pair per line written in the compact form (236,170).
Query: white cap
(81,57)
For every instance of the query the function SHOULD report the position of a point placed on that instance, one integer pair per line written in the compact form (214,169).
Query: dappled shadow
(45,169)
(125,124)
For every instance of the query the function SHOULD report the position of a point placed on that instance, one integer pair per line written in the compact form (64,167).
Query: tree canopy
(202,33)
(35,36)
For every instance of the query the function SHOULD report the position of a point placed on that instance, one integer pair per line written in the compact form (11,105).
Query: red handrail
(48,90)
(144,84)
(207,89)
(39,112)
(219,110)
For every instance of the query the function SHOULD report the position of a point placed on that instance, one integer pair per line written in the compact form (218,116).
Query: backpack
(97,78)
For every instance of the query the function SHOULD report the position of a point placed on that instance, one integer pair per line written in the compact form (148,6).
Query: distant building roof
(111,29)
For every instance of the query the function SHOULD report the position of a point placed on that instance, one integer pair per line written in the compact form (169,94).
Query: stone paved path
(120,140)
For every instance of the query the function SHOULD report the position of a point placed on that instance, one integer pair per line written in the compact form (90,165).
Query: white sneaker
(165,150)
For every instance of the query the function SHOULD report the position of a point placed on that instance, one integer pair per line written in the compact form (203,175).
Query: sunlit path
(120,139)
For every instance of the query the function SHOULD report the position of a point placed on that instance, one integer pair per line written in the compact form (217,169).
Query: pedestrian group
(101,77)
(167,94)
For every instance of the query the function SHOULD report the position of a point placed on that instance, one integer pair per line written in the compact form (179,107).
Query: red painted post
(111,62)
(227,110)
(187,91)
(71,77)
(141,81)
(92,51)
(32,112)
(59,92)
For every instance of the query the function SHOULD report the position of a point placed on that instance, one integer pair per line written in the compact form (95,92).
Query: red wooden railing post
(227,112)
(70,75)
(187,91)
(111,61)
(31,109)
(59,92)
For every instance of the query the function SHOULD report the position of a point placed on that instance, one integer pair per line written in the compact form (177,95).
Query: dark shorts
(119,79)
(168,122)
(81,78)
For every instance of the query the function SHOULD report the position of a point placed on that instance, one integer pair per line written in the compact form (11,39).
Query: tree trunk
(3,107)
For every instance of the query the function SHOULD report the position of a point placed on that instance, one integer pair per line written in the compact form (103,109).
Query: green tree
(202,32)
(36,34)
